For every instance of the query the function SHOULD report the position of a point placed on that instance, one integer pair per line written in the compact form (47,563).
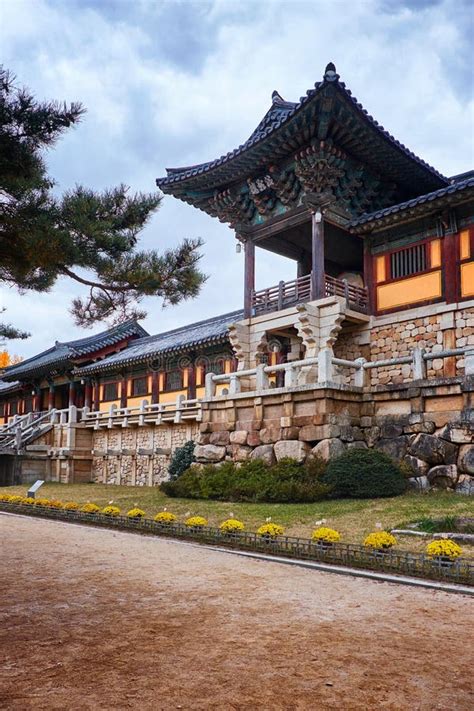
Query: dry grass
(354,518)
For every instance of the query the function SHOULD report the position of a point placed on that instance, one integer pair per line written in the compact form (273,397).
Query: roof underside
(327,113)
(62,355)
(206,333)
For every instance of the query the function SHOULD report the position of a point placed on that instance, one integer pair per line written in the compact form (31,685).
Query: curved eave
(118,366)
(248,156)
(414,209)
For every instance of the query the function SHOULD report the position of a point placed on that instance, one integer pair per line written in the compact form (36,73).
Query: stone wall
(137,456)
(428,427)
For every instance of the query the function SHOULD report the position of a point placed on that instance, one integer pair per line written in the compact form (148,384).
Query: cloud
(177,83)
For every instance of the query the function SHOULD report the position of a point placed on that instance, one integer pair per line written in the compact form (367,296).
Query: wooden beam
(249,277)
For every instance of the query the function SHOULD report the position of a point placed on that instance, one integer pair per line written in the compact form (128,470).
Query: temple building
(374,335)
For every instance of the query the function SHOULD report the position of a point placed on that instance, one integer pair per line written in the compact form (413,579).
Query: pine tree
(90,237)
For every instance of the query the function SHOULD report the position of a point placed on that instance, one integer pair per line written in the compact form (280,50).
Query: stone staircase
(24,429)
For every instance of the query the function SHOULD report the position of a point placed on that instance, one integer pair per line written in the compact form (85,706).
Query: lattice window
(110,391)
(411,260)
(140,386)
(174,379)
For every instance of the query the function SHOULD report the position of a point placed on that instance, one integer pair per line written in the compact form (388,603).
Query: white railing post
(325,368)
(210,386)
(141,416)
(360,374)
(234,384)
(178,416)
(112,409)
(63,417)
(469,362)
(72,414)
(261,378)
(291,376)
(419,364)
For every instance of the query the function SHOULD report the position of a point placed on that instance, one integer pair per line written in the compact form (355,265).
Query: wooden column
(123,392)
(317,262)
(369,279)
(249,277)
(451,269)
(155,386)
(51,396)
(72,393)
(96,395)
(37,400)
(88,394)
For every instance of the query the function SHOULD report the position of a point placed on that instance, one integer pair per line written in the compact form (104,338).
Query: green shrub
(181,460)
(254,480)
(363,474)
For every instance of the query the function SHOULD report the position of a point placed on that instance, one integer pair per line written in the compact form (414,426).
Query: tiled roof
(6,387)
(428,200)
(68,351)
(282,113)
(211,331)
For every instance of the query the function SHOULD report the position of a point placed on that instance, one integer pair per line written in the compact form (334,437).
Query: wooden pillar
(72,393)
(96,395)
(369,279)
(451,269)
(88,394)
(155,386)
(51,396)
(123,392)
(249,277)
(37,400)
(317,262)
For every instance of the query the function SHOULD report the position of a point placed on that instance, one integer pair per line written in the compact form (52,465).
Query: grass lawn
(353,518)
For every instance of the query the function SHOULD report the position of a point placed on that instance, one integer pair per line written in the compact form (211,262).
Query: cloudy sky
(170,83)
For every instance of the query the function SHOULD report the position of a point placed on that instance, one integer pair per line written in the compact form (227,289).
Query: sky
(173,83)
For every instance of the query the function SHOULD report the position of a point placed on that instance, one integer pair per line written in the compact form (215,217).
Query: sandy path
(95,619)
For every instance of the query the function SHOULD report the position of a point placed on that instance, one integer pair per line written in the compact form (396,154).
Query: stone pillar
(249,277)
(317,262)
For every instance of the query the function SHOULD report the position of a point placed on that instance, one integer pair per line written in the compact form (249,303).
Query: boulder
(459,434)
(253,439)
(269,435)
(238,437)
(433,450)
(240,453)
(221,438)
(390,430)
(265,453)
(290,432)
(358,444)
(328,448)
(372,434)
(350,434)
(444,476)
(418,466)
(209,453)
(466,459)
(418,483)
(291,448)
(204,439)
(465,485)
(425,427)
(395,448)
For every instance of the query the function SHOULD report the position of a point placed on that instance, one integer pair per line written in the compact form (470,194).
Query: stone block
(240,453)
(291,448)
(265,453)
(466,459)
(270,435)
(418,466)
(433,449)
(465,485)
(357,444)
(390,430)
(253,439)
(350,433)
(289,433)
(204,439)
(372,434)
(220,438)
(395,448)
(459,434)
(313,433)
(238,437)
(328,448)
(209,453)
(444,476)
(426,427)
(418,483)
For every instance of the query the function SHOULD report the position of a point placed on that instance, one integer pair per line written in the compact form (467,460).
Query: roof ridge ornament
(277,98)
(330,73)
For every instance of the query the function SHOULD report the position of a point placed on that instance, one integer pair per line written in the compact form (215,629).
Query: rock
(291,448)
(444,475)
(425,427)
(314,433)
(390,430)
(433,449)
(240,453)
(418,483)
(209,453)
(270,435)
(221,438)
(253,439)
(290,433)
(372,434)
(328,448)
(265,453)
(418,466)
(204,439)
(465,485)
(395,448)
(349,433)
(358,444)
(459,434)
(466,459)
(238,437)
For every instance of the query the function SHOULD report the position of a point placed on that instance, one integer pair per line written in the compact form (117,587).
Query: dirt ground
(96,619)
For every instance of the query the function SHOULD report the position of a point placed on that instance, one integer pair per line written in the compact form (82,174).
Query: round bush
(363,474)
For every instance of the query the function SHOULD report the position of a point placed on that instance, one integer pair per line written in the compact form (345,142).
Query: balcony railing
(298,291)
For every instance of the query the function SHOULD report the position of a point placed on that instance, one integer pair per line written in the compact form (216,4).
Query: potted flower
(270,531)
(325,536)
(165,518)
(380,542)
(443,552)
(231,527)
(196,522)
(111,511)
(90,508)
(136,513)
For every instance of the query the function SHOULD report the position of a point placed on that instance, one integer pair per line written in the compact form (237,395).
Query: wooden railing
(298,291)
